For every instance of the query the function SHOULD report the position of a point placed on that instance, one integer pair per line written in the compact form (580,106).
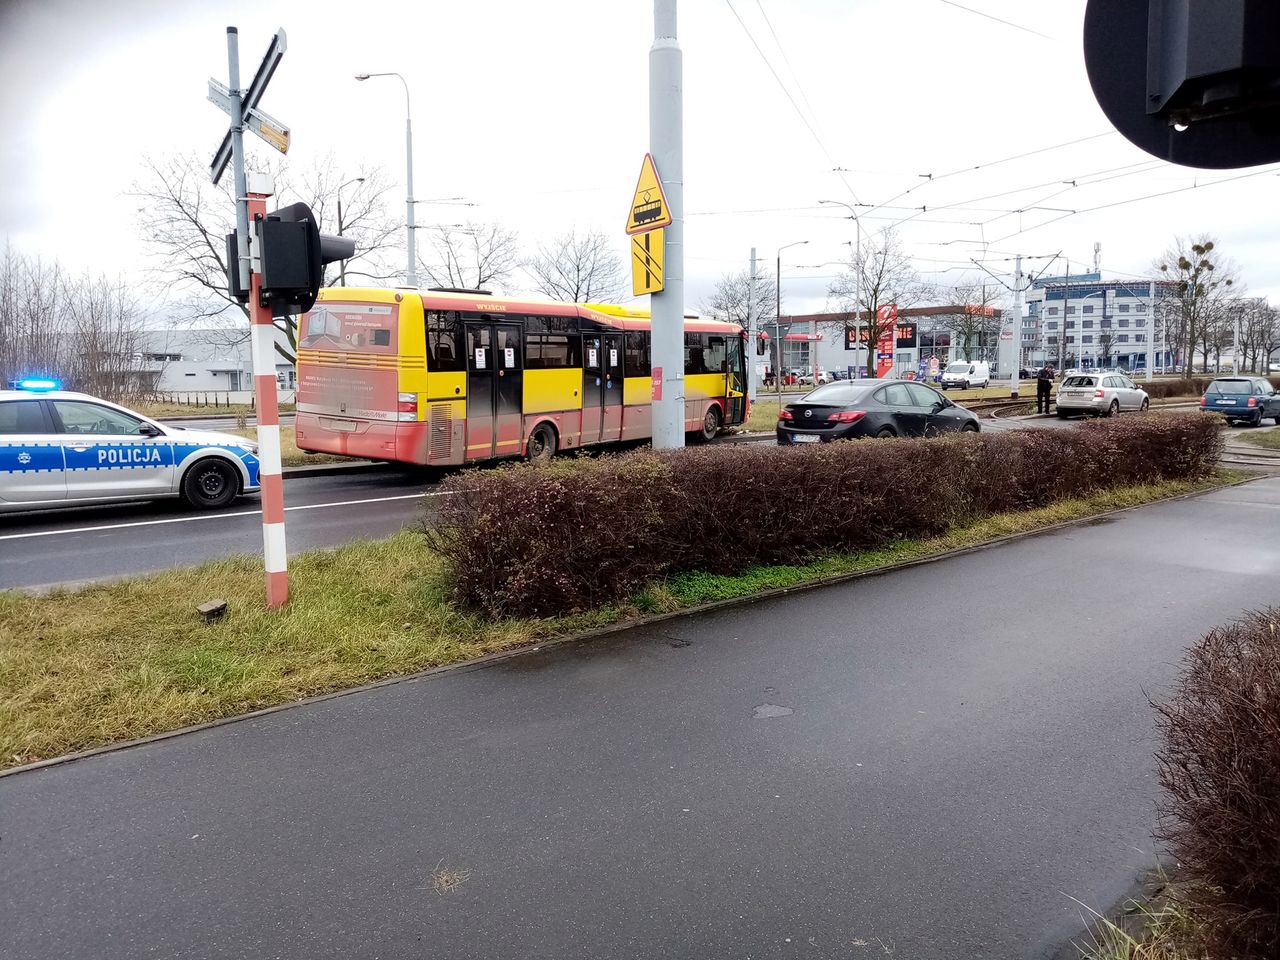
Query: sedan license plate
(804,438)
(1227,403)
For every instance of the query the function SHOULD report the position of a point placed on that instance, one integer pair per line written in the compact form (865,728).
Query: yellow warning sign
(647,257)
(649,209)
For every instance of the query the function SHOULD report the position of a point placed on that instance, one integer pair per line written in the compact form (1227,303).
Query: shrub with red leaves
(1220,770)
(541,540)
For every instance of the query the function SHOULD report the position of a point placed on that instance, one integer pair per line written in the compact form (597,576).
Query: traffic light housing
(1207,93)
(294,253)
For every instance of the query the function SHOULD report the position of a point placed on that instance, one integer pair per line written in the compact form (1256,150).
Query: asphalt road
(924,765)
(40,549)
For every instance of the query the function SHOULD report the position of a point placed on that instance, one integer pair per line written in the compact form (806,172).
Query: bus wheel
(542,443)
(711,423)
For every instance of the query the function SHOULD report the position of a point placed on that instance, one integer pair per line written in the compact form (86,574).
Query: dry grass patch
(112,662)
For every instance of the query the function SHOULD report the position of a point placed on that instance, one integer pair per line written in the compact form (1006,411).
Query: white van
(967,373)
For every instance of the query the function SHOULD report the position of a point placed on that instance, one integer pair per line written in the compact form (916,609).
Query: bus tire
(711,423)
(210,484)
(543,444)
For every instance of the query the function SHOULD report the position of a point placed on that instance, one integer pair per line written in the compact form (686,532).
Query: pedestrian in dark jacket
(1044,384)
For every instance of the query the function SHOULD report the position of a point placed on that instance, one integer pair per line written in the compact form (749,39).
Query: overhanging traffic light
(1207,93)
(294,253)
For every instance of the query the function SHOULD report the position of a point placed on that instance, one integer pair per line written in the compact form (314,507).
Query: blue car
(1246,399)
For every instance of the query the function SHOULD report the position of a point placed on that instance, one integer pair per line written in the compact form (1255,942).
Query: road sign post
(666,143)
(242,107)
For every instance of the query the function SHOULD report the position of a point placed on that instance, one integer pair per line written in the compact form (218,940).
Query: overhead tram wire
(992,163)
(787,60)
(1144,166)
(1007,23)
(792,100)
(1149,196)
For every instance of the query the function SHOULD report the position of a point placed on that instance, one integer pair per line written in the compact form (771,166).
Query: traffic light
(1207,93)
(294,253)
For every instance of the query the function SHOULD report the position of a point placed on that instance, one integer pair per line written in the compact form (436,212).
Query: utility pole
(1017,327)
(751,329)
(1151,334)
(666,144)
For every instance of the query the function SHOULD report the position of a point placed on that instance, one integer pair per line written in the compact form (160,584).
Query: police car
(69,449)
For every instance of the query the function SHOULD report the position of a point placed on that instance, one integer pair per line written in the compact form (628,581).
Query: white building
(1085,321)
(189,360)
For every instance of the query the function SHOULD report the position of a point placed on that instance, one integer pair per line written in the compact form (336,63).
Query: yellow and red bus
(451,377)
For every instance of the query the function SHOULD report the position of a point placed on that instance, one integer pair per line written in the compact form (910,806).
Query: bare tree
(83,331)
(976,322)
(1200,279)
(471,257)
(184,221)
(733,293)
(881,274)
(578,269)
(1106,341)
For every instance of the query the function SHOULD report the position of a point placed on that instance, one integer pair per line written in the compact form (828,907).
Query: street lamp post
(411,270)
(857,271)
(342,264)
(777,313)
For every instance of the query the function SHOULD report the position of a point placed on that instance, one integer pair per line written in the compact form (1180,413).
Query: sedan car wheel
(1146,405)
(210,484)
(1114,408)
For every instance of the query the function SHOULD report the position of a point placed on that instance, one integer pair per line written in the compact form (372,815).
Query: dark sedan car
(871,408)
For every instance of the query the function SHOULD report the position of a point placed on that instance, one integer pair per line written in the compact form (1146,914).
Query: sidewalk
(814,776)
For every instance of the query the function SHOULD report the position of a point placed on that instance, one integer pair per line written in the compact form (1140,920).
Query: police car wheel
(210,484)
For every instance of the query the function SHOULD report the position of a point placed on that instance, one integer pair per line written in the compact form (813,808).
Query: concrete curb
(599,632)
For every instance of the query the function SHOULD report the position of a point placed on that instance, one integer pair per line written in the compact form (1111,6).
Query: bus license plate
(804,438)
(344,426)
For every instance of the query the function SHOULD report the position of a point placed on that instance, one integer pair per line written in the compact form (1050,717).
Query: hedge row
(526,540)
(1186,387)
(1220,769)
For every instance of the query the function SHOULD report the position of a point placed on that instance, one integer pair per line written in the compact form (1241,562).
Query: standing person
(1044,384)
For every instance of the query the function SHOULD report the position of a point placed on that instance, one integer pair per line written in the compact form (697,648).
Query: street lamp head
(362,76)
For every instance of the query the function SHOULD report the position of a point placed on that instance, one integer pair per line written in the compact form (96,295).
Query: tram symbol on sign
(646,211)
(649,209)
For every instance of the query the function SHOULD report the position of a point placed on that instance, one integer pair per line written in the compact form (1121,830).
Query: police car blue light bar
(38,384)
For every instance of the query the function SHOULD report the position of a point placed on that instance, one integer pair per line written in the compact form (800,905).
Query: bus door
(735,381)
(495,390)
(480,391)
(611,403)
(592,387)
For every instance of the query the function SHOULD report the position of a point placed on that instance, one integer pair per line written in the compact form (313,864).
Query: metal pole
(237,156)
(342,264)
(1151,335)
(411,273)
(777,322)
(1017,327)
(263,338)
(751,329)
(666,144)
(268,413)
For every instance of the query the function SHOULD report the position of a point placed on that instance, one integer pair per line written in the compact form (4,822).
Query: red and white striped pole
(264,378)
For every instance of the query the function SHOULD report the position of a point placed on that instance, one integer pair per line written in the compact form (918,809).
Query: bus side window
(635,359)
(714,359)
(444,341)
(695,349)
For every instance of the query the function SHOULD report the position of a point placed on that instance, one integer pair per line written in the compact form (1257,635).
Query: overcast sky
(538,113)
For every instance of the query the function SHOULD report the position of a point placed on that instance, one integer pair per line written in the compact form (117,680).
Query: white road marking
(214,516)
